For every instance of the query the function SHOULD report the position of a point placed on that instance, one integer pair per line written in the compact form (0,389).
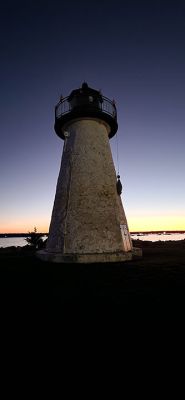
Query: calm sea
(14,241)
(153,237)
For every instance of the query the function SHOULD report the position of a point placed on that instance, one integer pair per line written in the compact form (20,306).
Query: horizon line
(131,232)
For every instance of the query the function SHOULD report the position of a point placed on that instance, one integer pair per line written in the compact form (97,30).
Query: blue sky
(134,52)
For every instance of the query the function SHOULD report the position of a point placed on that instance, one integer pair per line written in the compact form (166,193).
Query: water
(14,241)
(153,237)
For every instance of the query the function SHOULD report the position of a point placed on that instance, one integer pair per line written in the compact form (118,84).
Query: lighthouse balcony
(85,106)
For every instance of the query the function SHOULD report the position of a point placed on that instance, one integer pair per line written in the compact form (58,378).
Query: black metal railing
(106,106)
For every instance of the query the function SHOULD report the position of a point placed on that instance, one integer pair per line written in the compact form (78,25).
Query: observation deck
(85,103)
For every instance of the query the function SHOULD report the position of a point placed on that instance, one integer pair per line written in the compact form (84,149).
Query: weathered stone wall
(87,211)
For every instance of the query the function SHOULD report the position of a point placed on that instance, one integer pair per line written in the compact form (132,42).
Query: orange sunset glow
(139,223)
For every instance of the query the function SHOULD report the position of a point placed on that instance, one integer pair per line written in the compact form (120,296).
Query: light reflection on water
(154,237)
(14,241)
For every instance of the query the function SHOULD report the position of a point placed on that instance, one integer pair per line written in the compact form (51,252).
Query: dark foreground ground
(150,289)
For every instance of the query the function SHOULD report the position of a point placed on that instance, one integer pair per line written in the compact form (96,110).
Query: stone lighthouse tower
(88,222)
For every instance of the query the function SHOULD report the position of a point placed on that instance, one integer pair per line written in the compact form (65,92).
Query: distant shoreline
(9,235)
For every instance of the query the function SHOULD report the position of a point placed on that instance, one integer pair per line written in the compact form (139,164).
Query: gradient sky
(134,51)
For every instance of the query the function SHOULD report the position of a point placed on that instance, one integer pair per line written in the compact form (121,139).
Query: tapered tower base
(88,222)
(84,258)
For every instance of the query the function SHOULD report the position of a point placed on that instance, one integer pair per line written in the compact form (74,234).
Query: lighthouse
(88,223)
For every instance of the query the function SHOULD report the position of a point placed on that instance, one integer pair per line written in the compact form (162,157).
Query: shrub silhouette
(35,239)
